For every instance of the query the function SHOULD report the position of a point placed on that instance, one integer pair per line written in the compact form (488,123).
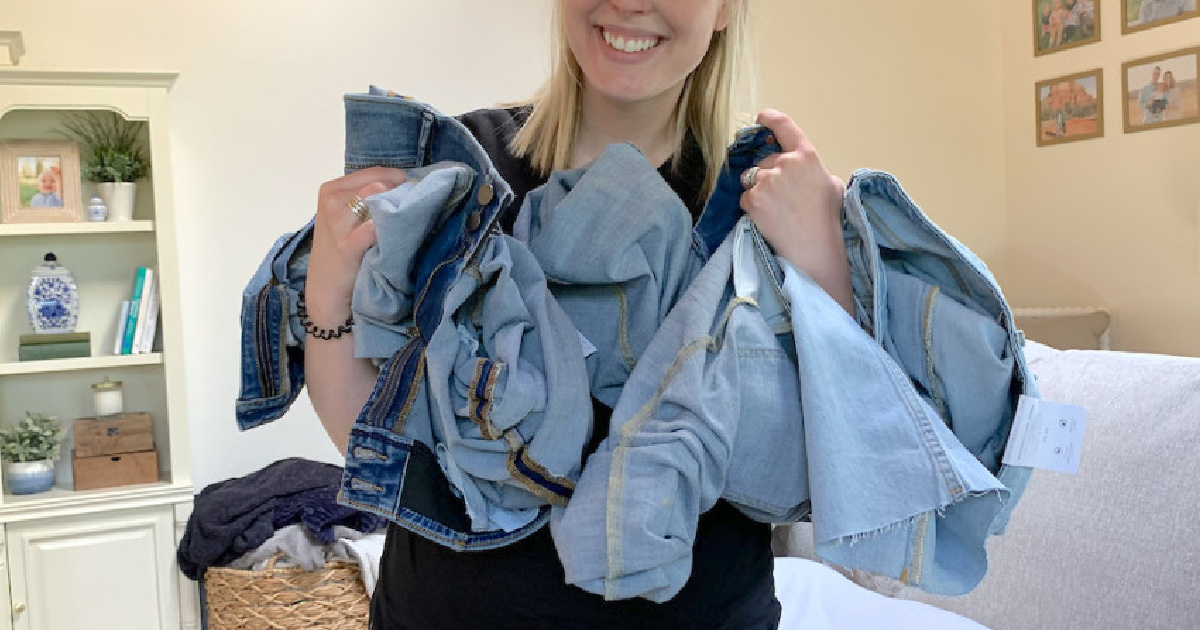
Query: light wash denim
(405,479)
(827,420)
(614,241)
(411,456)
(385,289)
(503,402)
(939,312)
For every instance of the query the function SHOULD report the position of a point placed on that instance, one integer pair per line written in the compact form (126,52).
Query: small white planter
(118,196)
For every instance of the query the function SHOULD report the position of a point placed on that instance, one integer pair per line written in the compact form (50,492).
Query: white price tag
(1046,435)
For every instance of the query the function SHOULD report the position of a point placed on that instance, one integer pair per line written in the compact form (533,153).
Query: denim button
(473,220)
(486,194)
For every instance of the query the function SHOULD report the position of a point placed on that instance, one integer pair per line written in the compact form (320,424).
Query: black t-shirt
(424,586)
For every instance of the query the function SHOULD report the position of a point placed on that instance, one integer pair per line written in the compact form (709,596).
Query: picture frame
(1070,108)
(1161,90)
(1140,15)
(1064,24)
(39,182)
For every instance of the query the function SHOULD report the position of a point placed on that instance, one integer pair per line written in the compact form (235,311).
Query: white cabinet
(98,558)
(104,571)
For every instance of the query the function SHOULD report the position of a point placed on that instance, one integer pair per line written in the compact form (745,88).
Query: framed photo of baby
(1143,14)
(39,182)
(1070,108)
(1062,24)
(1161,91)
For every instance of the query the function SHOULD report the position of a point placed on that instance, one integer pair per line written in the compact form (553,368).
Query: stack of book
(138,320)
(39,346)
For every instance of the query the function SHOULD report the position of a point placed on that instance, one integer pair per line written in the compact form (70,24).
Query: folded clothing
(232,517)
(319,511)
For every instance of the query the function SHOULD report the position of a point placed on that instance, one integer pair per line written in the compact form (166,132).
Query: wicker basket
(286,598)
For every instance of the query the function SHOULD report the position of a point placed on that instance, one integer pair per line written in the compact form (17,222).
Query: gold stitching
(532,485)
(623,327)
(406,409)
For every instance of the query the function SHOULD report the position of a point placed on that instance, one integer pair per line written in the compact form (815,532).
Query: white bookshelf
(63,229)
(50,366)
(52,539)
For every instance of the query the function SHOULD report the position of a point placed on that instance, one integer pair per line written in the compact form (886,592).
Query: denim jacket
(414,444)
(890,442)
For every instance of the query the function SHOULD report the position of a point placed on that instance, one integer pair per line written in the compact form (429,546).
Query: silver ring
(750,177)
(359,208)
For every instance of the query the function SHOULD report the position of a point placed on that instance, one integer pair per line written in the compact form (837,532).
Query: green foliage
(35,438)
(112,147)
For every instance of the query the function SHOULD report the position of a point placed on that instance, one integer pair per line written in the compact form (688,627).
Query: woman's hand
(340,238)
(796,203)
(339,384)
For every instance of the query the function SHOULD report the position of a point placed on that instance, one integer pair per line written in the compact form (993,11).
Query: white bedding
(815,597)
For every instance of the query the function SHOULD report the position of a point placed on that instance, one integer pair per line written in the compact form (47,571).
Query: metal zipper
(262,340)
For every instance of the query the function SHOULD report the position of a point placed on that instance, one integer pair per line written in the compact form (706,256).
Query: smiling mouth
(630,44)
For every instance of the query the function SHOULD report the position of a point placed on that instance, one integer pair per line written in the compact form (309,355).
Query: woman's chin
(633,92)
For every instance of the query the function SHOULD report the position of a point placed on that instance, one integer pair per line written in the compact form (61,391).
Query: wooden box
(127,433)
(108,471)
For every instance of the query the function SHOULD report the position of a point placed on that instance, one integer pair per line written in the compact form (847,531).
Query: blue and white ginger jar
(53,298)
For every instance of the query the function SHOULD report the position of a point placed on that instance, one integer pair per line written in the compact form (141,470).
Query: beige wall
(940,93)
(1107,222)
(913,88)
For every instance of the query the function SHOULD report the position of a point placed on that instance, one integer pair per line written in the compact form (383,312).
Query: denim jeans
(419,482)
(892,442)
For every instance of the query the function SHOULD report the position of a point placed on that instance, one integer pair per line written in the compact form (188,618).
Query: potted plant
(114,157)
(29,451)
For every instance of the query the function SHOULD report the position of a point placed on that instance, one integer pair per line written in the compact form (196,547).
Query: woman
(1173,104)
(659,74)
(1161,102)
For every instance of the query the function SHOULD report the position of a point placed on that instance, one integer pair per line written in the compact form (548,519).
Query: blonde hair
(707,107)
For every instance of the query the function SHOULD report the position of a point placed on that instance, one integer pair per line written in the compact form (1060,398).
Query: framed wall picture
(1062,24)
(1161,91)
(1143,14)
(1070,108)
(39,182)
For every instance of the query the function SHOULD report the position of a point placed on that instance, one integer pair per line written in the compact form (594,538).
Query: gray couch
(1116,546)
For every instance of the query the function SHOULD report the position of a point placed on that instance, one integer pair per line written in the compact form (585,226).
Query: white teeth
(629,45)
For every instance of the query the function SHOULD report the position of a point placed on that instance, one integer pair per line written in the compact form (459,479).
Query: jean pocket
(768,470)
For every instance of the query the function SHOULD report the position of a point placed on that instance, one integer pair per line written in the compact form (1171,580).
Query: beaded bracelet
(316,331)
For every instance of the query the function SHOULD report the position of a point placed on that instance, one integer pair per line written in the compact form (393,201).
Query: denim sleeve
(272,339)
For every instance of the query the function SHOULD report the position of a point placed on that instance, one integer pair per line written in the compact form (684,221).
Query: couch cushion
(1114,546)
